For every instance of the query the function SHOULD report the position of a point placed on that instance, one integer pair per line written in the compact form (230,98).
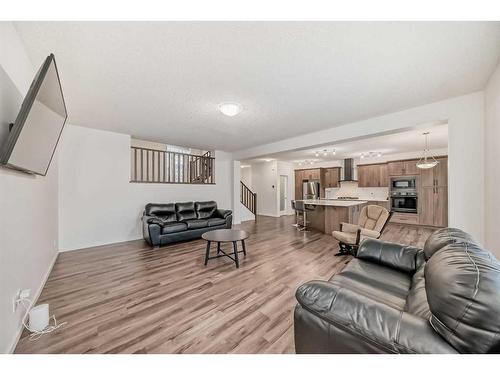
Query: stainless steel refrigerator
(310,190)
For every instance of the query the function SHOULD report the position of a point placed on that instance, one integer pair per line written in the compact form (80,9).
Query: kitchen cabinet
(434,206)
(305,174)
(384,204)
(311,174)
(433,195)
(403,168)
(298,184)
(373,175)
(437,176)
(403,218)
(331,178)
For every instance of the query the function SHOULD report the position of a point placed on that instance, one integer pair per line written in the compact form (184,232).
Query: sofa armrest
(151,231)
(348,227)
(401,257)
(369,233)
(346,321)
(223,213)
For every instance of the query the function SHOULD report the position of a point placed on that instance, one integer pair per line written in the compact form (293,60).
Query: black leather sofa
(173,222)
(444,298)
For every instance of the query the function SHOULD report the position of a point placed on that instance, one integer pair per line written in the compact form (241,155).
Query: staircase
(248,198)
(201,168)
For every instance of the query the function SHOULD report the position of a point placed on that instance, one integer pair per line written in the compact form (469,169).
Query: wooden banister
(248,198)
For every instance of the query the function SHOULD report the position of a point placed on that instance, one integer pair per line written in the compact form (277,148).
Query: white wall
(465,117)
(28,210)
(97,203)
(264,183)
(492,190)
(246,176)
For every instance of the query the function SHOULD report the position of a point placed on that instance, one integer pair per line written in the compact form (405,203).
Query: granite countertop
(334,202)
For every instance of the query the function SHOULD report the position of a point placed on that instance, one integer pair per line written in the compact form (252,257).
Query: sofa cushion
(185,211)
(443,237)
(214,221)
(378,282)
(462,282)
(205,210)
(173,228)
(196,223)
(416,302)
(399,257)
(166,212)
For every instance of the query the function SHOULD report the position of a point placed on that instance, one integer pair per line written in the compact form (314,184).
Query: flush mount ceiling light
(334,152)
(426,162)
(230,108)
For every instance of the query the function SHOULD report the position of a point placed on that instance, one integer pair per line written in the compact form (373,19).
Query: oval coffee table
(225,235)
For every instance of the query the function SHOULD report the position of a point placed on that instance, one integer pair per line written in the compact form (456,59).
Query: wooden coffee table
(225,235)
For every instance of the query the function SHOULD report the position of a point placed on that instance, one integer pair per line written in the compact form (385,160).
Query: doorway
(283,194)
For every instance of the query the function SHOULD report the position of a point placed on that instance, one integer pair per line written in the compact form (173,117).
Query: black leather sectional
(173,222)
(444,298)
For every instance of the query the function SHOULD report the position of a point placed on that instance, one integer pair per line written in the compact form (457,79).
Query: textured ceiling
(162,81)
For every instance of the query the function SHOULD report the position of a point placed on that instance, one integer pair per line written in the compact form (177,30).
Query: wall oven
(404,202)
(403,183)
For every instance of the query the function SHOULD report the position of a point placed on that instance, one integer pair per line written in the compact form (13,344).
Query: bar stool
(296,215)
(300,208)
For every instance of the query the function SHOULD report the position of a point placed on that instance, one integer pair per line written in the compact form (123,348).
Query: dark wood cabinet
(298,184)
(331,178)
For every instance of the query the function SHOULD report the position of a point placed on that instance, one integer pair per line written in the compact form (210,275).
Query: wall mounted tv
(33,138)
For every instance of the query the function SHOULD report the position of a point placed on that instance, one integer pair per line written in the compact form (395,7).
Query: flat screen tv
(33,138)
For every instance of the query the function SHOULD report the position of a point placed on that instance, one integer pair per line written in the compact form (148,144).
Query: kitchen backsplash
(378,193)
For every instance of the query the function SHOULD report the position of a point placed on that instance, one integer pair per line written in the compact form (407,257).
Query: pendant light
(426,162)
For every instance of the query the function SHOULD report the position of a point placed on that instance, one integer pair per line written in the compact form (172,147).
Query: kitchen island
(329,213)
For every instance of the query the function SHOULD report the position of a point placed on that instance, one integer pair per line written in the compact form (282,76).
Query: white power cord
(35,335)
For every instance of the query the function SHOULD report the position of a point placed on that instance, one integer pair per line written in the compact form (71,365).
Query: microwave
(403,183)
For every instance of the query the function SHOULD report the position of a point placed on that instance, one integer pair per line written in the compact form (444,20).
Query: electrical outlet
(20,294)
(25,293)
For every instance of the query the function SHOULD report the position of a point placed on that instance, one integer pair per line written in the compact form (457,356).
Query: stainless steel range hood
(348,171)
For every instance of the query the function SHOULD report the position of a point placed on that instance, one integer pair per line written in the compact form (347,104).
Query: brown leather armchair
(371,224)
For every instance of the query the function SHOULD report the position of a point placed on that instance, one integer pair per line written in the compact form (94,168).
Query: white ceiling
(397,143)
(162,81)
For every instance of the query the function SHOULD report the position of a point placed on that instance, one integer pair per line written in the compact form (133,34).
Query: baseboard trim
(35,299)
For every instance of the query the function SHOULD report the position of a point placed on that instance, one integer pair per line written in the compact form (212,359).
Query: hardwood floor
(129,298)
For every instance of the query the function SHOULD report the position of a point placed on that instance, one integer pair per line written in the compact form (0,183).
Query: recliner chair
(371,224)
(444,298)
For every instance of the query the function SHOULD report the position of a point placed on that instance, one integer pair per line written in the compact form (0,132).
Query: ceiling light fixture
(362,156)
(425,162)
(316,154)
(334,152)
(325,153)
(230,109)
